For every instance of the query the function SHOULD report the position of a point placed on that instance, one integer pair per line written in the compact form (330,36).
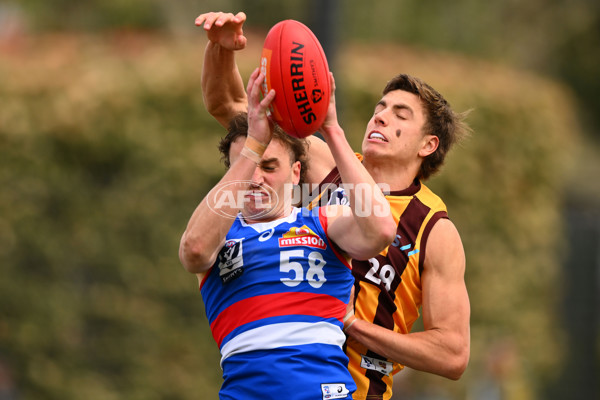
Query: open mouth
(377,136)
(256,194)
(258,200)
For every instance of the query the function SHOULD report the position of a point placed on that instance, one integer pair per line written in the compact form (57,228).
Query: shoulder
(444,229)
(445,252)
(428,197)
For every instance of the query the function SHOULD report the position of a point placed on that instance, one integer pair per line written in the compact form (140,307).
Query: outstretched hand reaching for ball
(259,124)
(330,124)
(224,29)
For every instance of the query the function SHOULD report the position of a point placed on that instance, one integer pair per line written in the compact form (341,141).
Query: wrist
(255,145)
(332,130)
(218,49)
(349,322)
(253,149)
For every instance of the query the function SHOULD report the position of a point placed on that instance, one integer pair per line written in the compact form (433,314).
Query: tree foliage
(105,152)
(559,38)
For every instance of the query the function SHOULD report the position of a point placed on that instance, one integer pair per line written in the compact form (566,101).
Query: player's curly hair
(238,126)
(442,121)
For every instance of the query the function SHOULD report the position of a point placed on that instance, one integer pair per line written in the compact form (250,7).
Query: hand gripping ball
(295,66)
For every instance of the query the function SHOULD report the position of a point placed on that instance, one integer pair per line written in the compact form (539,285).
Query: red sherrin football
(296,67)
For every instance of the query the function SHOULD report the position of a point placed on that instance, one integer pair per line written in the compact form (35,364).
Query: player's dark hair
(441,120)
(238,126)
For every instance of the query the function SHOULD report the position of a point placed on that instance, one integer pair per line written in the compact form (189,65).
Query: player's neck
(396,177)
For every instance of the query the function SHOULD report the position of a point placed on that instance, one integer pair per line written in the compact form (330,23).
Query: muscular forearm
(222,85)
(371,210)
(212,219)
(216,212)
(440,352)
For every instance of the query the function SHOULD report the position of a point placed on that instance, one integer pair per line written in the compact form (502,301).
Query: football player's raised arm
(211,220)
(222,85)
(369,227)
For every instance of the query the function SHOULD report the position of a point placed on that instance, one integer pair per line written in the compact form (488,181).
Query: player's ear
(296,167)
(430,144)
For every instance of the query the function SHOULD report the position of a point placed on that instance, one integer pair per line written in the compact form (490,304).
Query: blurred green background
(106,149)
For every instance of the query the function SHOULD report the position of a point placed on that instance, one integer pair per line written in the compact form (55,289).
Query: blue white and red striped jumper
(275,299)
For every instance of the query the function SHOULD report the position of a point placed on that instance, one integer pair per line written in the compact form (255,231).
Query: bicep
(445,298)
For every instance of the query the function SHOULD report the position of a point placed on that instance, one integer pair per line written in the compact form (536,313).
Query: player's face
(395,131)
(269,193)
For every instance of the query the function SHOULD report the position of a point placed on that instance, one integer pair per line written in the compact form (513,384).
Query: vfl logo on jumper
(384,367)
(302,236)
(231,260)
(334,390)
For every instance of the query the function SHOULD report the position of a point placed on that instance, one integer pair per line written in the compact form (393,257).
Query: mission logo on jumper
(302,236)
(231,260)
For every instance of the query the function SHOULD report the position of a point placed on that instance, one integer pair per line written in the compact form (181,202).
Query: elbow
(214,108)
(224,110)
(218,112)
(457,365)
(388,232)
(192,255)
(375,243)
(384,235)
